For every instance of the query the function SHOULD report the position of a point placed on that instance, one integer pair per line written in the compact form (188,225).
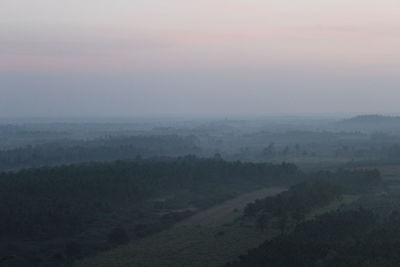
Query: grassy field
(182,247)
(229,210)
(207,239)
(202,240)
(344,200)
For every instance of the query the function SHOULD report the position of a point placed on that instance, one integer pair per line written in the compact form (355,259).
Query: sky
(203,58)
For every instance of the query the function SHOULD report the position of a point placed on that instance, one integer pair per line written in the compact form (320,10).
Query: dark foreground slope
(206,239)
(53,216)
(218,235)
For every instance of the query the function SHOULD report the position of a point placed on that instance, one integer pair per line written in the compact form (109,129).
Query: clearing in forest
(198,241)
(229,210)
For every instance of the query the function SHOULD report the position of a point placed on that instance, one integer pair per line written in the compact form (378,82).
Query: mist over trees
(71,192)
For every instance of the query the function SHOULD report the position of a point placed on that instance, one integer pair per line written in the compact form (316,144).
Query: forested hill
(373,119)
(100,149)
(371,124)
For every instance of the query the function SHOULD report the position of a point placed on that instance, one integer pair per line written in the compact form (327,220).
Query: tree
(262,222)
(299,214)
(73,250)
(118,236)
(282,223)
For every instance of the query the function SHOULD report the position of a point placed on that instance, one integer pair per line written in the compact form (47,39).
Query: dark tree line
(64,199)
(329,240)
(357,180)
(343,238)
(292,206)
(366,233)
(101,149)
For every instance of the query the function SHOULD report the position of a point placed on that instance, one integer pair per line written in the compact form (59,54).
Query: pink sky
(343,53)
(118,35)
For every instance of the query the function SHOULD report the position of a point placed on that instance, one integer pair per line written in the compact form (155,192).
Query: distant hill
(373,118)
(371,124)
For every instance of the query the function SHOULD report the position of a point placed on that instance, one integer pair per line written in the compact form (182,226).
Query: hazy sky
(203,57)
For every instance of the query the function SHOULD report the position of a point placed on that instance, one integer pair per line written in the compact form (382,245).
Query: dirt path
(224,212)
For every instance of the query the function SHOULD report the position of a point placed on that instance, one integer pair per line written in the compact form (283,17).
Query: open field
(199,241)
(205,239)
(344,200)
(188,246)
(229,210)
